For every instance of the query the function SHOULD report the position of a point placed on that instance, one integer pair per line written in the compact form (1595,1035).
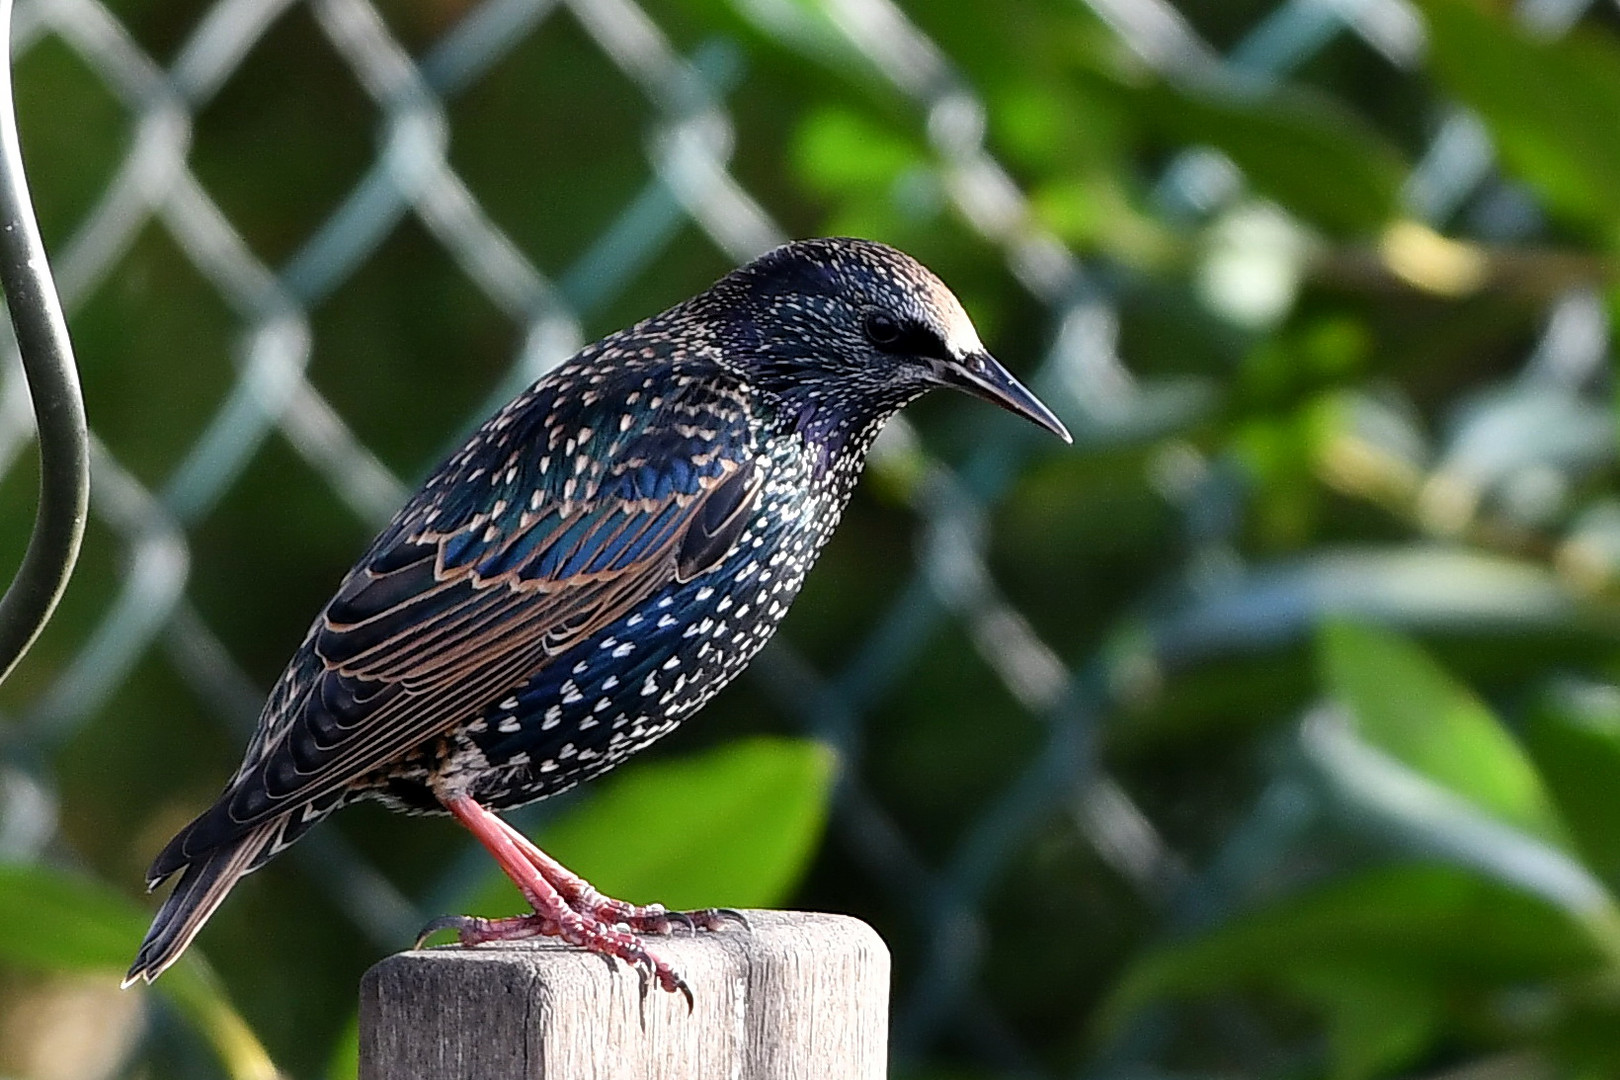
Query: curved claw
(649,968)
(731,913)
(459,923)
(693,921)
(714,918)
(643,983)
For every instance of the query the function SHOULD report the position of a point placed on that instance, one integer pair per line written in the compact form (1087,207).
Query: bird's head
(847,331)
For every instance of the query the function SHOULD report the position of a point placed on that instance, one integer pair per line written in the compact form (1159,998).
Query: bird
(601,556)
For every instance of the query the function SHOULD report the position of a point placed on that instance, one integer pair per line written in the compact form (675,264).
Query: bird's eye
(881,328)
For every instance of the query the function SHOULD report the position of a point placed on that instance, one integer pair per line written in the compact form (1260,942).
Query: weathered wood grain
(801,996)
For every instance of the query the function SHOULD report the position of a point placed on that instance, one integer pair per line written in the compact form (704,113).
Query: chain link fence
(690,188)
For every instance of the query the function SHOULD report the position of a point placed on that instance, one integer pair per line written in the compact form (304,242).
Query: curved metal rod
(53,384)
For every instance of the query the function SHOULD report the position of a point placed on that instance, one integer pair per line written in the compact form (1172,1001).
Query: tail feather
(203,885)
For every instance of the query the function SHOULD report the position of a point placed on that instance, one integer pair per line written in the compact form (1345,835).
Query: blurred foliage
(1333,573)
(56,922)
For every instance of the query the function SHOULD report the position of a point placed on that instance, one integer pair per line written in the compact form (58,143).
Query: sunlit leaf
(733,827)
(1444,916)
(1574,737)
(1413,587)
(1412,812)
(1313,157)
(1405,704)
(1377,1020)
(840,151)
(1550,105)
(53,921)
(344,1061)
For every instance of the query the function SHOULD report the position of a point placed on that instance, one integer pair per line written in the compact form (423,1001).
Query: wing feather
(454,607)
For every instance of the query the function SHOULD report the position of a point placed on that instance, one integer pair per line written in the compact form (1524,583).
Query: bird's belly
(633,682)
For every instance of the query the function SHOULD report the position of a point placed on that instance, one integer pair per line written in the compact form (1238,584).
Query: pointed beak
(982,375)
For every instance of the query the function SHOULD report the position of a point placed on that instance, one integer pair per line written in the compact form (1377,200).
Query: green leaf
(1314,157)
(1405,704)
(91,927)
(52,921)
(1416,924)
(733,827)
(1405,807)
(1574,737)
(1550,105)
(839,152)
(344,1061)
(1377,1021)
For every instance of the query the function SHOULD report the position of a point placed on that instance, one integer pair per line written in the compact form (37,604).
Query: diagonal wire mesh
(691,145)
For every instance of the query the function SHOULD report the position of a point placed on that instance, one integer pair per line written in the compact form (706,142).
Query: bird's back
(600,558)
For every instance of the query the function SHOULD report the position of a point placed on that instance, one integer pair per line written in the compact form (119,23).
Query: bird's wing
(504,561)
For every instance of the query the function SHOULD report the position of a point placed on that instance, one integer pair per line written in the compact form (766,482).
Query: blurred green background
(1273,730)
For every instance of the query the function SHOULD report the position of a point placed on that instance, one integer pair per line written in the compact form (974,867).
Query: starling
(601,557)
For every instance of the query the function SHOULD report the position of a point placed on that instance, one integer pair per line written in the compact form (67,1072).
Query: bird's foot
(574,928)
(473,930)
(583,898)
(652,918)
(565,906)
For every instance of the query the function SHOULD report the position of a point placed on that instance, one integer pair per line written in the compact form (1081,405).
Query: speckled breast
(616,693)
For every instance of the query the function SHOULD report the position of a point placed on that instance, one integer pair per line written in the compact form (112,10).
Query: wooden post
(800,996)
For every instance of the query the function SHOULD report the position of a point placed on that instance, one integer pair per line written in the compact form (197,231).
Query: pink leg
(583,898)
(553,916)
